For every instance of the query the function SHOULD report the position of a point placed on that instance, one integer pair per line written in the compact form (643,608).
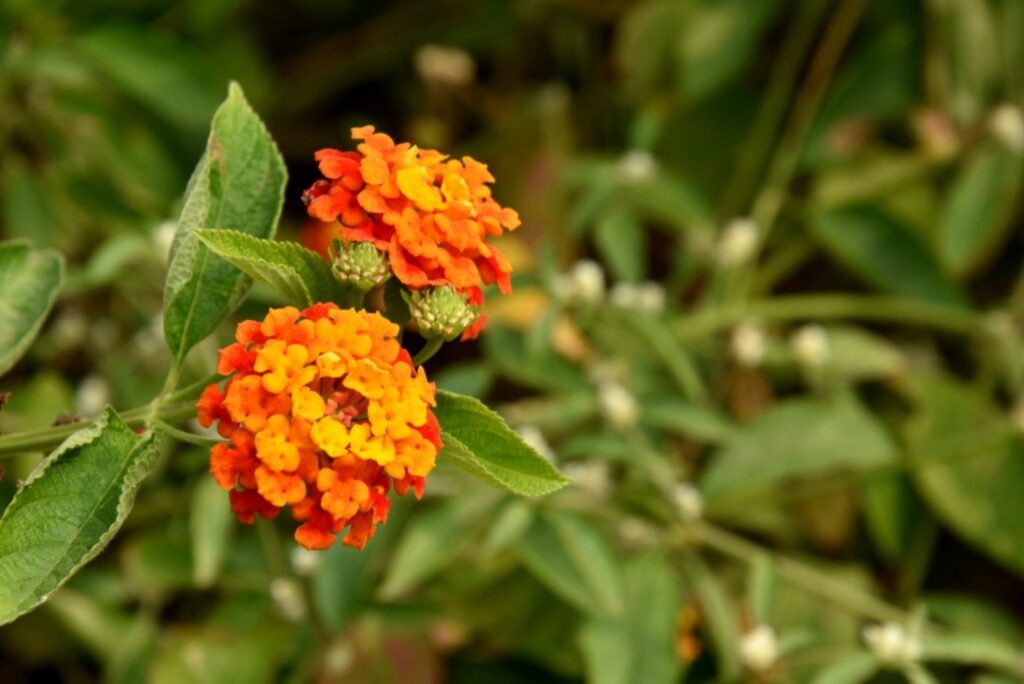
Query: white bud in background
(748,344)
(637,533)
(588,281)
(637,166)
(92,396)
(891,643)
(1007,125)
(759,648)
(646,297)
(287,595)
(688,502)
(449,66)
(810,345)
(339,659)
(738,242)
(618,405)
(591,477)
(163,236)
(69,330)
(304,561)
(535,439)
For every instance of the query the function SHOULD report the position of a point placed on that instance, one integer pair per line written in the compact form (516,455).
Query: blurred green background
(771,250)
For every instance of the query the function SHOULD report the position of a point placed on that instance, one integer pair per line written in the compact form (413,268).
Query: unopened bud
(637,166)
(618,405)
(738,242)
(759,648)
(688,502)
(1007,126)
(748,344)
(441,312)
(810,346)
(360,264)
(891,643)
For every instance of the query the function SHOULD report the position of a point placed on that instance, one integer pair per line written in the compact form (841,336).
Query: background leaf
(29,281)
(69,509)
(238,184)
(478,441)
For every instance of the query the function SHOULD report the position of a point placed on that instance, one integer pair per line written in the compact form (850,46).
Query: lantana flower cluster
(324,412)
(431,214)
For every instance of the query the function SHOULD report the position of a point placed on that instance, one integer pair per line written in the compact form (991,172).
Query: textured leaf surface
(799,437)
(69,509)
(29,281)
(238,185)
(301,275)
(478,441)
(569,555)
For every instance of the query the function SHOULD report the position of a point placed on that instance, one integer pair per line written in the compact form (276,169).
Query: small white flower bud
(891,643)
(287,596)
(637,166)
(587,281)
(646,297)
(444,65)
(304,561)
(93,394)
(535,439)
(591,477)
(688,501)
(810,345)
(637,533)
(1007,126)
(738,242)
(618,405)
(759,648)
(748,344)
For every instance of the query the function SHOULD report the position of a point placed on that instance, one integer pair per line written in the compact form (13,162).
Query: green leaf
(970,467)
(27,211)
(238,184)
(854,669)
(29,281)
(212,523)
(431,542)
(622,243)
(69,509)
(718,614)
(574,560)
(857,354)
(973,649)
(341,583)
(885,253)
(979,206)
(657,336)
(686,419)
(213,653)
(155,69)
(640,645)
(478,441)
(765,452)
(301,275)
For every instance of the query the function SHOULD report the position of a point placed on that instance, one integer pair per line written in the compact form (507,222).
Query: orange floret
(325,412)
(430,213)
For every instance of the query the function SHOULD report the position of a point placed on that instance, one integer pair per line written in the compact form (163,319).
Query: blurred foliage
(810,212)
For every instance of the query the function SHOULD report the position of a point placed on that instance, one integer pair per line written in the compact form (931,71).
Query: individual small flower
(1007,125)
(738,242)
(748,344)
(431,214)
(759,649)
(592,477)
(441,312)
(688,502)
(618,405)
(359,264)
(891,643)
(810,345)
(646,297)
(637,533)
(325,413)
(447,66)
(637,166)
(583,284)
(304,562)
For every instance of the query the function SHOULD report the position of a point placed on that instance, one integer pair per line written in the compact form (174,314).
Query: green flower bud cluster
(360,264)
(441,312)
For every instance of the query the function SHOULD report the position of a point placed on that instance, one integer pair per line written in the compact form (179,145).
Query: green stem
(191,390)
(183,436)
(429,349)
(44,440)
(832,306)
(813,581)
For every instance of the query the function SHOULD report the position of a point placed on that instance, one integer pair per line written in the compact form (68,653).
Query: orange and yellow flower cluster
(430,213)
(324,412)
